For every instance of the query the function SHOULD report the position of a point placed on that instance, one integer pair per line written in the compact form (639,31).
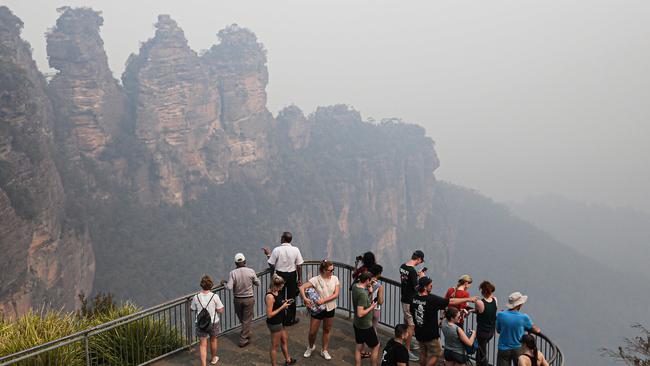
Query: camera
(359,258)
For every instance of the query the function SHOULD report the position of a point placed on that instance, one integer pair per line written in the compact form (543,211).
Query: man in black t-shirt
(395,354)
(424,309)
(409,279)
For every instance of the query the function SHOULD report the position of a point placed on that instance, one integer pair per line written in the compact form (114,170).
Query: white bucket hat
(515,299)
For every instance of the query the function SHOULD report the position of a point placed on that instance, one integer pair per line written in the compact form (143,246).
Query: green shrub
(128,344)
(36,328)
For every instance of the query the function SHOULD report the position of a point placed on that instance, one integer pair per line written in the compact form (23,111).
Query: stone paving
(257,353)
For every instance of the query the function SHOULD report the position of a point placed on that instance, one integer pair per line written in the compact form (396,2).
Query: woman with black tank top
(530,356)
(486,316)
(275,309)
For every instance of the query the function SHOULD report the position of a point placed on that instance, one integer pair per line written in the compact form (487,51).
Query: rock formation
(184,163)
(238,64)
(44,259)
(176,107)
(88,101)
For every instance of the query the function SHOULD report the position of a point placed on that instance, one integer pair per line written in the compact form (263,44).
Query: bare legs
(213,347)
(314,324)
(203,350)
(280,338)
(374,355)
(327,327)
(410,337)
(313,331)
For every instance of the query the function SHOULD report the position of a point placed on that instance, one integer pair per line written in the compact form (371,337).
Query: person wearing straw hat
(241,281)
(511,325)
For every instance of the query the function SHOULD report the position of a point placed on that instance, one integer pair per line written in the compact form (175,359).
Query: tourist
(286,260)
(276,307)
(395,353)
(366,260)
(424,310)
(241,281)
(409,280)
(375,271)
(455,338)
(364,333)
(511,325)
(328,288)
(378,289)
(486,316)
(211,302)
(460,290)
(530,356)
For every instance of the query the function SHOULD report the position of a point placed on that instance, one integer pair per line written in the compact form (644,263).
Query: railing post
(188,323)
(87,350)
(350,304)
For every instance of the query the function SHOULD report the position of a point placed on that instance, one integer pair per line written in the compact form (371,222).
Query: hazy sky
(521,97)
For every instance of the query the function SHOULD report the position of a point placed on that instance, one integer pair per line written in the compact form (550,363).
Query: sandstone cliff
(88,101)
(184,166)
(175,109)
(44,260)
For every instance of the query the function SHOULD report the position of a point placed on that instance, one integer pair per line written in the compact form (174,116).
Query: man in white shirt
(286,260)
(241,281)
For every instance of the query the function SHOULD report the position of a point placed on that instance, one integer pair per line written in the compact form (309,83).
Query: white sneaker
(413,357)
(309,351)
(214,360)
(326,355)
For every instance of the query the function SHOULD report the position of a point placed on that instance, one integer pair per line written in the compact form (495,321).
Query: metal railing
(160,331)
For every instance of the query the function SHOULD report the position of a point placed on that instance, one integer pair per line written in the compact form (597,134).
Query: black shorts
(367,336)
(324,314)
(454,356)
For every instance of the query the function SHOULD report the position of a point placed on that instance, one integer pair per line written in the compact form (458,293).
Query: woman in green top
(364,333)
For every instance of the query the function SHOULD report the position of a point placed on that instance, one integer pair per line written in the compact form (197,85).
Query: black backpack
(204,320)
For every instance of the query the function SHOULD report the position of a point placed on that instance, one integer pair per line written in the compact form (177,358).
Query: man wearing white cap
(511,326)
(241,281)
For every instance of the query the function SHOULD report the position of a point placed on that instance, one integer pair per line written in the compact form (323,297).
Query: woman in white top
(328,287)
(210,301)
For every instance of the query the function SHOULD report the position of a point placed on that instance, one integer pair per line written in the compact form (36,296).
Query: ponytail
(529,341)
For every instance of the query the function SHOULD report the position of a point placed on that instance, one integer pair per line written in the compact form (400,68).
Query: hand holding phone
(425,269)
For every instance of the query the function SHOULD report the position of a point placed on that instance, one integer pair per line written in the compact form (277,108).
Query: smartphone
(374,300)
(425,269)
(290,301)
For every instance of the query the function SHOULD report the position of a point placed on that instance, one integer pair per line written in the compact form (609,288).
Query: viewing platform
(257,353)
(163,335)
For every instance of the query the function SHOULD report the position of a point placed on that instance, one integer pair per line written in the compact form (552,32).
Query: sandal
(365,354)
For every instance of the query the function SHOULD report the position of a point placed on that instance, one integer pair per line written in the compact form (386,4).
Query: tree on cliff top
(635,351)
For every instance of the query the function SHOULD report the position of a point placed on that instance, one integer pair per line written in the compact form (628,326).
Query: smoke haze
(521,97)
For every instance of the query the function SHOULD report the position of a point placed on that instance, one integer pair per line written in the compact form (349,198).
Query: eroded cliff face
(238,66)
(374,186)
(44,260)
(184,165)
(175,109)
(89,103)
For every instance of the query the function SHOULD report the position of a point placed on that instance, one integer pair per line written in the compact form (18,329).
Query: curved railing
(132,335)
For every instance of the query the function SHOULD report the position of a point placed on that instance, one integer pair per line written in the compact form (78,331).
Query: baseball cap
(419,254)
(239,257)
(424,282)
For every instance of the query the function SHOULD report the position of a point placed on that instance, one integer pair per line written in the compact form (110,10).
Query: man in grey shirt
(241,281)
